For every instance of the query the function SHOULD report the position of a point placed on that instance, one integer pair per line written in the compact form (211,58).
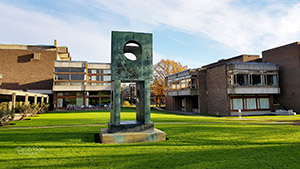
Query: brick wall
(21,72)
(217,98)
(288,59)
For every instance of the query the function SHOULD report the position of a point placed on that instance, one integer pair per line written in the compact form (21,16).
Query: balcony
(252,78)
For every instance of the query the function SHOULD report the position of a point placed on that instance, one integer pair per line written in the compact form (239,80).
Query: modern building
(224,87)
(47,70)
(288,59)
(81,84)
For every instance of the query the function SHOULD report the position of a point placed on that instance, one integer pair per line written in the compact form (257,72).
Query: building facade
(224,87)
(288,59)
(81,84)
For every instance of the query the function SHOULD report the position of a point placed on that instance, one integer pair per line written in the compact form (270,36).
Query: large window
(236,103)
(105,78)
(77,77)
(253,80)
(241,79)
(271,80)
(257,80)
(250,103)
(62,77)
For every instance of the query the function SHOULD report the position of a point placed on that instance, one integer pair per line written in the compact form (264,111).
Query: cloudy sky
(193,32)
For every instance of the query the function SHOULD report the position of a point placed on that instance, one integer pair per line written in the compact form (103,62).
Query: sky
(192,32)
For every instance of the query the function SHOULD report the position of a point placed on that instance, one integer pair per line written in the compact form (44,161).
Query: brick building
(224,87)
(288,59)
(48,69)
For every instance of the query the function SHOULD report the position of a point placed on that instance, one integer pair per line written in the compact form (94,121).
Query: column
(35,99)
(26,99)
(115,111)
(42,99)
(14,98)
(47,99)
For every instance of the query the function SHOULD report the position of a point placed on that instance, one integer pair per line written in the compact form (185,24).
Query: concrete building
(47,70)
(288,59)
(30,67)
(224,87)
(81,84)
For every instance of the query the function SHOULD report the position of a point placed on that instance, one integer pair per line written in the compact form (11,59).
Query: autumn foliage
(161,70)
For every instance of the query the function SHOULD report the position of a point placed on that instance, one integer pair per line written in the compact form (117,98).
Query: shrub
(126,103)
(5,114)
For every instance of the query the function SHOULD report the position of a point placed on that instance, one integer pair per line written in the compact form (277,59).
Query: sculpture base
(131,137)
(130,126)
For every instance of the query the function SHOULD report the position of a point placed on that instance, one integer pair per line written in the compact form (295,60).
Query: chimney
(55,43)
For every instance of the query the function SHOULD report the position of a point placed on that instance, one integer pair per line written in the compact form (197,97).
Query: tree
(161,70)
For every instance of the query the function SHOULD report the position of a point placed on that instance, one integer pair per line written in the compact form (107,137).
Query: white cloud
(241,27)
(86,40)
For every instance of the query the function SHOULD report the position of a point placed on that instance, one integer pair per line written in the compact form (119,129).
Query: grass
(201,142)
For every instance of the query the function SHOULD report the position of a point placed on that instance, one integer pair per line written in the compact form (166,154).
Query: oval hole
(130,56)
(132,44)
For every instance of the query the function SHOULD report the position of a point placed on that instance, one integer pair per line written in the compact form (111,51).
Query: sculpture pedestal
(129,126)
(131,137)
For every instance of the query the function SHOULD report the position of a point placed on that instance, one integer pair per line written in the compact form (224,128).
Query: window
(241,79)
(250,103)
(77,77)
(271,80)
(77,69)
(105,101)
(62,69)
(94,78)
(264,103)
(257,80)
(105,78)
(62,77)
(106,71)
(237,103)
(94,71)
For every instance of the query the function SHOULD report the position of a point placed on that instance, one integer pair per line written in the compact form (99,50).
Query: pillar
(35,99)
(47,99)
(26,99)
(42,99)
(116,107)
(10,106)
(14,98)
(143,102)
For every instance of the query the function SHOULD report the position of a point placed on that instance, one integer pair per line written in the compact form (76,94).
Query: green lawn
(201,142)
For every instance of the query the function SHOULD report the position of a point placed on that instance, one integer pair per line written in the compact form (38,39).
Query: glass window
(77,69)
(94,101)
(251,103)
(237,103)
(271,80)
(62,69)
(59,102)
(104,93)
(62,77)
(73,93)
(94,71)
(106,71)
(77,77)
(241,79)
(264,103)
(94,78)
(105,101)
(257,80)
(60,94)
(105,78)
(79,101)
